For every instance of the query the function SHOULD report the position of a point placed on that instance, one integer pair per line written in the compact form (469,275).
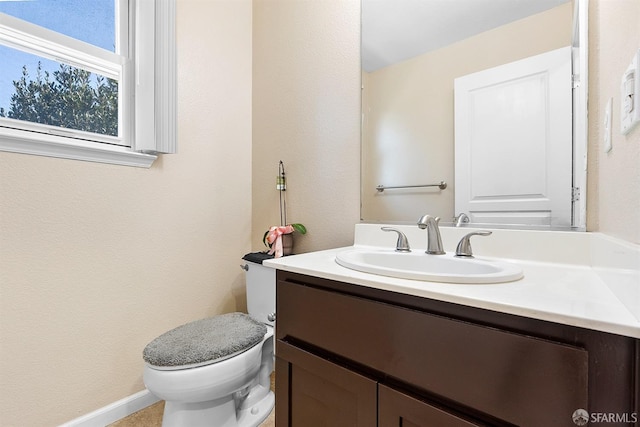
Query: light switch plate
(630,95)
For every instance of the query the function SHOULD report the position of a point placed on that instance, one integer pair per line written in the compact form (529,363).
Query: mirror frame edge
(580,117)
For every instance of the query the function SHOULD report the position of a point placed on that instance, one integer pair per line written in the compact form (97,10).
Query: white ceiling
(396,30)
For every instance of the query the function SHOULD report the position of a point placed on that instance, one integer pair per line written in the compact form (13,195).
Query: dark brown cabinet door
(320,393)
(396,409)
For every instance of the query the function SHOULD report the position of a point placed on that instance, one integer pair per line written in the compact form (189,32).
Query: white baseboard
(114,411)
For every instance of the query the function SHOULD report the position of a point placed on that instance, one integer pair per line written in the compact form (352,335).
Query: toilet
(215,371)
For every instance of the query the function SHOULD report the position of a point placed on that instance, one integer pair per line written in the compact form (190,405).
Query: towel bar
(442,185)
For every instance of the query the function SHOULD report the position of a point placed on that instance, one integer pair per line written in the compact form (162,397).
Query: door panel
(513,142)
(396,409)
(323,394)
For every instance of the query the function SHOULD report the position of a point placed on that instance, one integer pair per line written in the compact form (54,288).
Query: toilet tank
(261,292)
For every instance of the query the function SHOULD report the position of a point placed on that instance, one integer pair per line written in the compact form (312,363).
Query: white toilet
(215,372)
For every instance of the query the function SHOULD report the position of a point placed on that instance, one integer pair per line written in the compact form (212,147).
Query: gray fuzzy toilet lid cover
(204,341)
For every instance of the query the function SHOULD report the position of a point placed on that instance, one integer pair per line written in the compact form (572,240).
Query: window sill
(17,141)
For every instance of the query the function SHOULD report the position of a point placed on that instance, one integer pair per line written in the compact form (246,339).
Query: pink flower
(274,238)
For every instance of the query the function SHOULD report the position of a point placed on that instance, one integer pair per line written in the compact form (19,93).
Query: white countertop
(590,295)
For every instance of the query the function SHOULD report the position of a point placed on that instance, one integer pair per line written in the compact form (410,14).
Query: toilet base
(256,414)
(219,413)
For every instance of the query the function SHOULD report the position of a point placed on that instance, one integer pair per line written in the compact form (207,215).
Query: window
(88,80)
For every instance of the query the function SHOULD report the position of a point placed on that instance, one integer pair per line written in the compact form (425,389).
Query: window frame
(147,90)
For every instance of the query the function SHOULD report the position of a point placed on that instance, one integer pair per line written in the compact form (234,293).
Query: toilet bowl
(234,391)
(216,371)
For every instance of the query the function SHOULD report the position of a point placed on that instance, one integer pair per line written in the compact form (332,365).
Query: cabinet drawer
(492,371)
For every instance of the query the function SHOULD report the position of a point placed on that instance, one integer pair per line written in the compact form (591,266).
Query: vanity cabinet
(349,355)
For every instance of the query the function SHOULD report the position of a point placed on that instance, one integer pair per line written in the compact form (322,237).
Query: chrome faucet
(434,241)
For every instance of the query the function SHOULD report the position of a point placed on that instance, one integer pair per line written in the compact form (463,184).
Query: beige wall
(409,129)
(613,203)
(96,260)
(306,112)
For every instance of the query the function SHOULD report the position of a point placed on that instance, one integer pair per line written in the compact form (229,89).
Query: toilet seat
(201,364)
(204,342)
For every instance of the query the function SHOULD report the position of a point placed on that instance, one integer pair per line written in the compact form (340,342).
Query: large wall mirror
(445,129)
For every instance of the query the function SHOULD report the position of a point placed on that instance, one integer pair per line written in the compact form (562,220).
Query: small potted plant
(279,238)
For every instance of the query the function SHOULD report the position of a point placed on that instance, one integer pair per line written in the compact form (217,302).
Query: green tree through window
(73,99)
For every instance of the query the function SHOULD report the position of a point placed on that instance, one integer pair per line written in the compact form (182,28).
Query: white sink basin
(418,265)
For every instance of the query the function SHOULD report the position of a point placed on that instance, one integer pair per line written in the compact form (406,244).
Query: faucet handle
(464,247)
(463,218)
(402,245)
